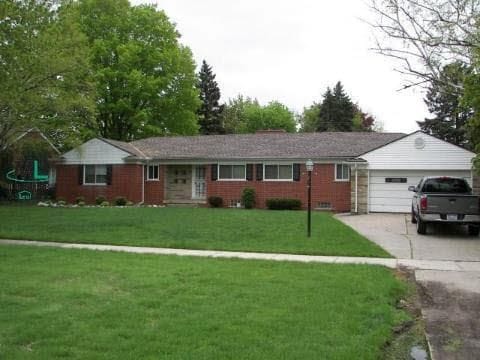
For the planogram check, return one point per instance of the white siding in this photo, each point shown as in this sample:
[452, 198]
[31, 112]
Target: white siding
[95, 151]
[435, 155]
[395, 197]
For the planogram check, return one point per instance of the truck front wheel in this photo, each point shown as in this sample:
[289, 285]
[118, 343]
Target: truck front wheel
[473, 230]
[421, 226]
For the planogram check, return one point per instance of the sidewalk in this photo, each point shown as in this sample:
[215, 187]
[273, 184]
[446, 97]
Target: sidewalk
[438, 265]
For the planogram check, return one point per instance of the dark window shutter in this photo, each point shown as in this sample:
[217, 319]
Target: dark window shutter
[80, 174]
[214, 169]
[296, 172]
[259, 172]
[249, 172]
[109, 174]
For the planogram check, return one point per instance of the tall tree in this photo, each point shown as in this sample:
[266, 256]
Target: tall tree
[210, 112]
[246, 115]
[44, 73]
[234, 117]
[444, 101]
[309, 118]
[145, 79]
[337, 110]
[425, 35]
[273, 116]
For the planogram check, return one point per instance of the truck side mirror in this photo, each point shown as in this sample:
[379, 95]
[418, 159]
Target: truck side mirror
[412, 188]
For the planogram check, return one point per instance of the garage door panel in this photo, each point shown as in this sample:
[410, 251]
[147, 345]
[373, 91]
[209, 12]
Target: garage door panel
[395, 197]
[392, 194]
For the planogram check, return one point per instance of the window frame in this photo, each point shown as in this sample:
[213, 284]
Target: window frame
[277, 164]
[337, 179]
[95, 175]
[158, 172]
[219, 178]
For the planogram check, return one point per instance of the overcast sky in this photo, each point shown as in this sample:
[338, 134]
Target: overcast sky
[291, 51]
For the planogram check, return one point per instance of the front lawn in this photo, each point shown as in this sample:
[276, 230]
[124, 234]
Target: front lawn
[189, 228]
[80, 304]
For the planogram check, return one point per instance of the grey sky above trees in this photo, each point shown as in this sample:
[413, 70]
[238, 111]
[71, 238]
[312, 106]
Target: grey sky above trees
[291, 51]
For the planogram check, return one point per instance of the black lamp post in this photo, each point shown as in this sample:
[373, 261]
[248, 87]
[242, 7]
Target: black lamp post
[309, 166]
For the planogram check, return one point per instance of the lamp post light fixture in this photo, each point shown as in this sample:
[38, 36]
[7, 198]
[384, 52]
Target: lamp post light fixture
[309, 166]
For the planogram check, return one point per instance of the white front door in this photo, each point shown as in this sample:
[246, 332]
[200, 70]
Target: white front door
[199, 186]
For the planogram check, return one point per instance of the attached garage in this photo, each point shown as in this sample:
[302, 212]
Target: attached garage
[392, 168]
[388, 190]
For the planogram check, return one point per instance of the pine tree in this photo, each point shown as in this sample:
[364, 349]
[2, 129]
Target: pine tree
[337, 110]
[443, 99]
[210, 112]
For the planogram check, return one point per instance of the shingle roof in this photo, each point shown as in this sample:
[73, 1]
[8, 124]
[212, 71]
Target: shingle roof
[127, 147]
[264, 146]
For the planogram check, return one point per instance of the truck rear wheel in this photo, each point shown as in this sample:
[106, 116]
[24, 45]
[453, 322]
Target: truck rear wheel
[421, 226]
[414, 219]
[473, 230]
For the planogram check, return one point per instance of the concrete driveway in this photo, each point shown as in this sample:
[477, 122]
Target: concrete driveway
[450, 299]
[396, 234]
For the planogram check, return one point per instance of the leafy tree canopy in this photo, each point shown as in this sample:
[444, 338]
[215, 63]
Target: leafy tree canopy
[209, 114]
[309, 118]
[443, 100]
[145, 80]
[44, 77]
[244, 115]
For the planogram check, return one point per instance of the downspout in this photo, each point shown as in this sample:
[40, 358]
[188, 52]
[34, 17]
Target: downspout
[368, 191]
[143, 185]
[356, 189]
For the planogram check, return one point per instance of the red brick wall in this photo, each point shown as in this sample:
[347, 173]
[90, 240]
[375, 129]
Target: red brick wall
[126, 181]
[324, 188]
[155, 189]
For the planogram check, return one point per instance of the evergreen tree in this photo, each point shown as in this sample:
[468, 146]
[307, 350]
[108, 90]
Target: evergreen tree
[444, 100]
[337, 110]
[210, 112]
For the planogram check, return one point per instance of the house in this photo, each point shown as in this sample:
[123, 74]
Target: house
[25, 166]
[353, 171]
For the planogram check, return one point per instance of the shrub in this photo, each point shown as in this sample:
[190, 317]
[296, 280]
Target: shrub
[129, 203]
[248, 198]
[120, 201]
[100, 199]
[51, 193]
[284, 204]
[215, 201]
[81, 203]
[105, 203]
[79, 199]
[61, 203]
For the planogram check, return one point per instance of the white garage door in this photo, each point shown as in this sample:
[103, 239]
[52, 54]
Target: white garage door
[388, 190]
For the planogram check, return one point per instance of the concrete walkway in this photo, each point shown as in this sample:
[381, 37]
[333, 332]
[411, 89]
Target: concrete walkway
[390, 263]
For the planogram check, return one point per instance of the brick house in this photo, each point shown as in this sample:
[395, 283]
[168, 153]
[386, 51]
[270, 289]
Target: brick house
[189, 169]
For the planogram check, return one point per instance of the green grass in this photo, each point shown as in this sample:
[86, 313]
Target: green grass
[80, 304]
[192, 228]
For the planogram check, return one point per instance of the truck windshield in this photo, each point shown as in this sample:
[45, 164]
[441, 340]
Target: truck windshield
[446, 185]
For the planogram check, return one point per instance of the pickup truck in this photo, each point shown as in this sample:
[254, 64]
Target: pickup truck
[445, 200]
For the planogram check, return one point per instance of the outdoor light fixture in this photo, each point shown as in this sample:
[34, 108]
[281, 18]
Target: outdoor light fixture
[309, 166]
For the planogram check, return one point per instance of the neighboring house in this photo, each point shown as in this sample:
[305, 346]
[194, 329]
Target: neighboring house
[354, 171]
[25, 166]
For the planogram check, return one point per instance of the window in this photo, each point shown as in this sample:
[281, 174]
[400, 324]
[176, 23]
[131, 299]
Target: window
[231, 172]
[152, 173]
[278, 172]
[95, 175]
[342, 172]
[446, 185]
